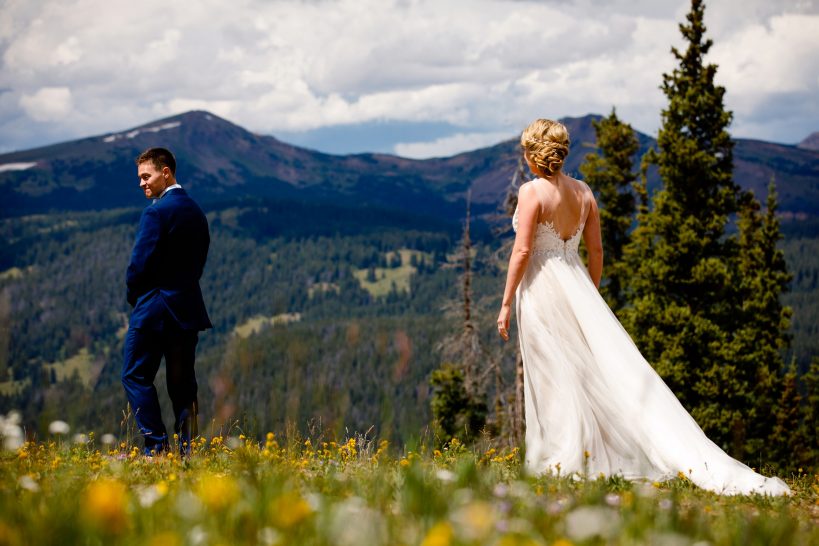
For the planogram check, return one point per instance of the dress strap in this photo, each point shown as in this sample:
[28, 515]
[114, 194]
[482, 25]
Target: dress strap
[585, 207]
[541, 199]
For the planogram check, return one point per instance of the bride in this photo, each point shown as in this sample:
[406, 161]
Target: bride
[593, 403]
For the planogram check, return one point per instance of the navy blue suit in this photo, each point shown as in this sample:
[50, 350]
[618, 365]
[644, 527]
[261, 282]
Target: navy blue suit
[163, 287]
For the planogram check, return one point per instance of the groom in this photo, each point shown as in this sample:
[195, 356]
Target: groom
[168, 312]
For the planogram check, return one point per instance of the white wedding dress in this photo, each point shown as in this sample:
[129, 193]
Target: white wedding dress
[593, 403]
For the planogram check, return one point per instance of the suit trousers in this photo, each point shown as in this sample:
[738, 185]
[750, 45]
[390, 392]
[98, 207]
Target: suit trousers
[143, 352]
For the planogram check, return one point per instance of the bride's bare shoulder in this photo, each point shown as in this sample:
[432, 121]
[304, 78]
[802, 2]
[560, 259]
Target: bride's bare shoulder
[527, 188]
[578, 183]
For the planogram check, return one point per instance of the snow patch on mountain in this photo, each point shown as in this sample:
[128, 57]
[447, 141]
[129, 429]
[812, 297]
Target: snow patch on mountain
[135, 132]
[16, 166]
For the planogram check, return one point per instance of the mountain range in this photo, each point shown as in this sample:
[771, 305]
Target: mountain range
[219, 161]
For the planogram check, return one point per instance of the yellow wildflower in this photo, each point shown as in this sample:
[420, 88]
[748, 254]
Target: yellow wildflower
[474, 521]
[288, 510]
[162, 487]
[105, 506]
[217, 492]
[439, 535]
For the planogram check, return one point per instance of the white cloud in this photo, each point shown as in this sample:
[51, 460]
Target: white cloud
[480, 65]
[67, 52]
[450, 145]
[762, 65]
[47, 104]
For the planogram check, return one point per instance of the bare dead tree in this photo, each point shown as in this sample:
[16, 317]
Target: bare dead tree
[517, 400]
[471, 349]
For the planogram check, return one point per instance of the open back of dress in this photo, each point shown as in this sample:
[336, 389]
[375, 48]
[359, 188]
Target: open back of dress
[593, 403]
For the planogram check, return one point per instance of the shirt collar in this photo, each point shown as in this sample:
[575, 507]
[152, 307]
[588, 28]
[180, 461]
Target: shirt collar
[169, 188]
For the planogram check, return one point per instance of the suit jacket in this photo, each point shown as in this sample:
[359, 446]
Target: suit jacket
[167, 261]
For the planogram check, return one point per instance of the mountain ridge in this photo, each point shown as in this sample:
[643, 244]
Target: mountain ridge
[219, 159]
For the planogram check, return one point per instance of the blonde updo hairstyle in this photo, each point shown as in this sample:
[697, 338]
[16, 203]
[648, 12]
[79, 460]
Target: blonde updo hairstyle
[547, 144]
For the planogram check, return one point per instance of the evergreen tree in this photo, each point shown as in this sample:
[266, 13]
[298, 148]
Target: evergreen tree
[761, 337]
[682, 308]
[455, 413]
[609, 174]
[810, 413]
[788, 444]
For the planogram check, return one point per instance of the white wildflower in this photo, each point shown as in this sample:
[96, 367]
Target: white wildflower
[586, 522]
[269, 536]
[197, 536]
[14, 417]
[10, 431]
[27, 482]
[108, 439]
[612, 499]
[445, 475]
[557, 506]
[189, 507]
[354, 523]
[148, 495]
[58, 427]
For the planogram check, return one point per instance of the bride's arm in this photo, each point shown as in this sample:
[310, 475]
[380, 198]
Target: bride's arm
[528, 210]
[594, 244]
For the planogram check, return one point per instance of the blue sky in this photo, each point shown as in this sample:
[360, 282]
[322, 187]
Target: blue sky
[417, 78]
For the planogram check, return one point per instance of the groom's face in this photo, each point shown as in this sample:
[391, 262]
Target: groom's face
[153, 181]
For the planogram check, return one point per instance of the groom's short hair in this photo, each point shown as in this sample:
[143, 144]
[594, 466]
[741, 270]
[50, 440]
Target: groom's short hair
[160, 157]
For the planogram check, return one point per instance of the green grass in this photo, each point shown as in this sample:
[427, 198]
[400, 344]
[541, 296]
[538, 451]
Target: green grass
[80, 364]
[10, 388]
[385, 277]
[256, 324]
[15, 273]
[321, 288]
[239, 491]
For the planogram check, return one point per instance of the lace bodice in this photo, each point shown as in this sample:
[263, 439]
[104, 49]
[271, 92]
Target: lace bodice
[548, 242]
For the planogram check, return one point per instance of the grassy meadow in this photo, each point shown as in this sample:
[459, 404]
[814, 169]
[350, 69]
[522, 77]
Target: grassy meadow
[293, 490]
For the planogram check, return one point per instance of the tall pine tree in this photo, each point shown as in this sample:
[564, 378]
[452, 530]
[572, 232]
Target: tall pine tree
[810, 413]
[682, 310]
[761, 337]
[609, 173]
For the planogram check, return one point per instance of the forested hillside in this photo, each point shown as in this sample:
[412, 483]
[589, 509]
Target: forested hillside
[339, 354]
